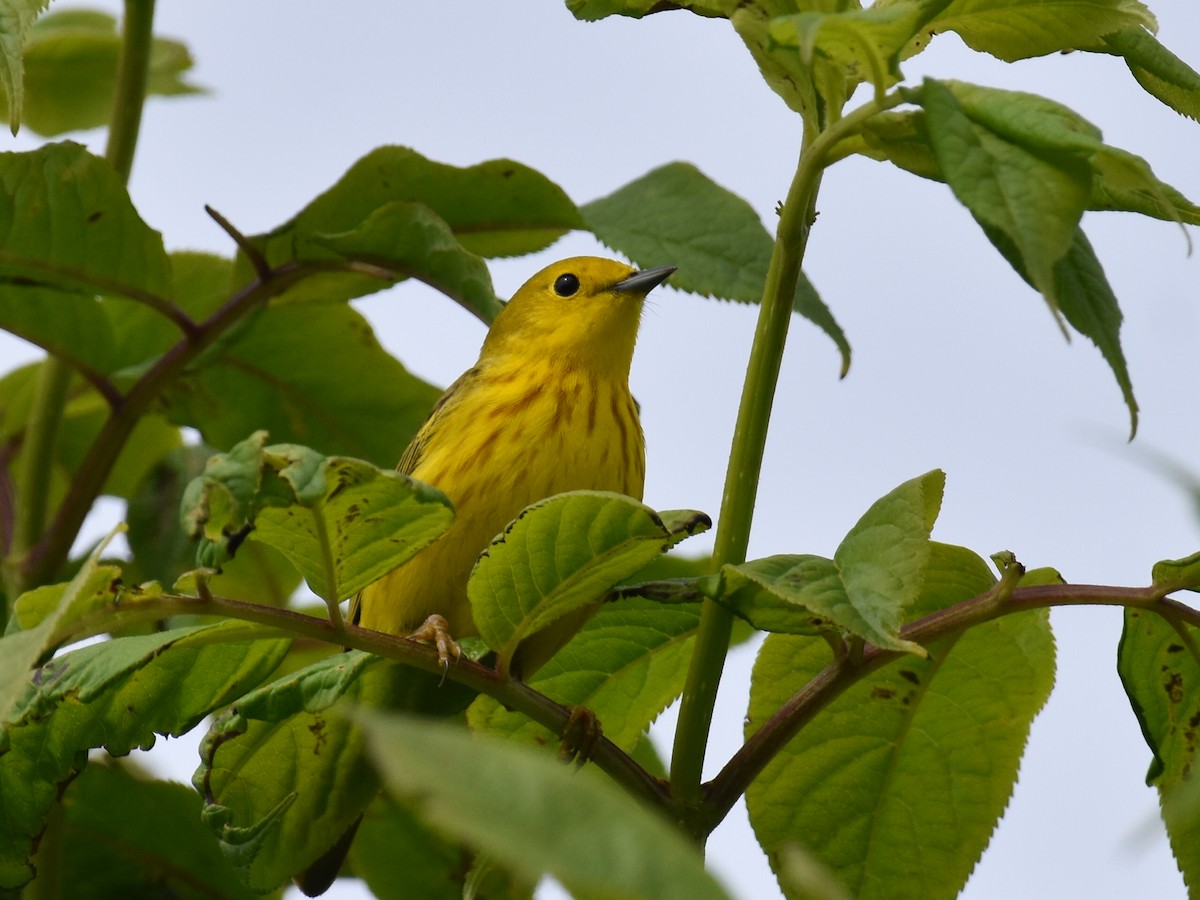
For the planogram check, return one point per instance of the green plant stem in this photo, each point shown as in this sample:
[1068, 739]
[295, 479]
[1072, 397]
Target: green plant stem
[796, 216]
[133, 69]
[741, 478]
[745, 765]
[513, 694]
[37, 463]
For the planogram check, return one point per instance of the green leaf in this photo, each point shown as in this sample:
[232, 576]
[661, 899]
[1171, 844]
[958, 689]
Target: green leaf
[1120, 180]
[117, 694]
[1124, 181]
[309, 374]
[789, 594]
[1019, 29]
[1089, 305]
[629, 852]
[817, 90]
[163, 552]
[1159, 71]
[39, 614]
[71, 71]
[1020, 164]
[867, 43]
[1172, 575]
[284, 778]
[365, 523]
[126, 836]
[626, 665]
[900, 138]
[594, 10]
[341, 522]
[896, 785]
[200, 284]
[675, 214]
[411, 239]
[564, 554]
[874, 578]
[17, 17]
[1160, 670]
[152, 439]
[495, 208]
[400, 858]
[81, 421]
[68, 232]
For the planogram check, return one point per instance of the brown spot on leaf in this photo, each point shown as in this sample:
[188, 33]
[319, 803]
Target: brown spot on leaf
[879, 692]
[318, 732]
[910, 676]
[1173, 685]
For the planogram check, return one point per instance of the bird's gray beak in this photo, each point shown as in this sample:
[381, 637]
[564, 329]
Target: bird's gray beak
[645, 281]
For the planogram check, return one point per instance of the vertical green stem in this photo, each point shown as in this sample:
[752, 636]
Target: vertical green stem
[749, 440]
[741, 478]
[132, 73]
[32, 489]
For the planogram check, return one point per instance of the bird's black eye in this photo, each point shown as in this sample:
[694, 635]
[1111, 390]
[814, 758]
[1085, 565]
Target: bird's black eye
[566, 285]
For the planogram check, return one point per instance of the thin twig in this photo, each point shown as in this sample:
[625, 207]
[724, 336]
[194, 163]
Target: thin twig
[513, 694]
[745, 765]
[262, 268]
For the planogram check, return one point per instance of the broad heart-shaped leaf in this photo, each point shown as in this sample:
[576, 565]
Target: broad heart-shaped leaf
[1158, 70]
[71, 71]
[284, 778]
[1161, 675]
[342, 522]
[68, 232]
[127, 836]
[563, 554]
[1019, 163]
[675, 214]
[495, 208]
[874, 578]
[410, 238]
[18, 16]
[896, 785]
[310, 374]
[1020, 29]
[576, 826]
[626, 665]
[117, 694]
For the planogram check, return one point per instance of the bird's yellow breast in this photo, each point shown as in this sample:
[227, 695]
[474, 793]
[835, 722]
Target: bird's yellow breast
[508, 434]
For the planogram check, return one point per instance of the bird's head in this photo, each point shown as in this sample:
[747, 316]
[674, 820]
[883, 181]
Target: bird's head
[583, 311]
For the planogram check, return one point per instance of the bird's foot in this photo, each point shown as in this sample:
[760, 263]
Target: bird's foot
[580, 736]
[436, 630]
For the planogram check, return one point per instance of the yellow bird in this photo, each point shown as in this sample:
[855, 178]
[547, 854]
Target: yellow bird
[546, 409]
